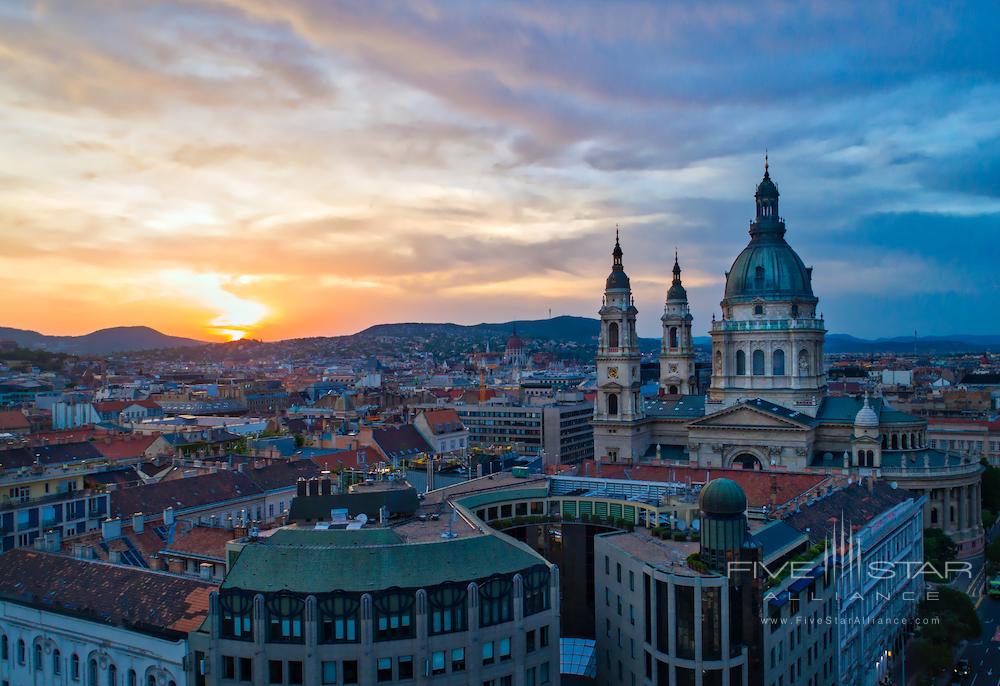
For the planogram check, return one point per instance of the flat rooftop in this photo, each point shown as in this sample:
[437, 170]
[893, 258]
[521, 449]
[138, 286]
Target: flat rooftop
[665, 554]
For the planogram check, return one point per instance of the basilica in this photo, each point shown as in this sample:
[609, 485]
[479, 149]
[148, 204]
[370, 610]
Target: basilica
[767, 405]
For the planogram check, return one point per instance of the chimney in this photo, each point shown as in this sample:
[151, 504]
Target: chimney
[176, 566]
[138, 522]
[111, 529]
[168, 517]
[115, 557]
[53, 540]
[156, 563]
[206, 570]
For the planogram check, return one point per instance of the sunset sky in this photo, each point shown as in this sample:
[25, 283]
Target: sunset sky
[286, 169]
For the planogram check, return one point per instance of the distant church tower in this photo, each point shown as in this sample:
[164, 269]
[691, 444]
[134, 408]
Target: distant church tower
[618, 408]
[677, 373]
[769, 343]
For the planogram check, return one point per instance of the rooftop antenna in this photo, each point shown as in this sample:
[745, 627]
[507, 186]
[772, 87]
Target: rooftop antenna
[450, 533]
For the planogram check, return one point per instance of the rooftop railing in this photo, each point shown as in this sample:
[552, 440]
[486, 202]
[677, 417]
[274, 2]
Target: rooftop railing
[767, 324]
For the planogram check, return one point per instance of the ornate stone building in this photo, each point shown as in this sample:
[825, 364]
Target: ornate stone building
[767, 406]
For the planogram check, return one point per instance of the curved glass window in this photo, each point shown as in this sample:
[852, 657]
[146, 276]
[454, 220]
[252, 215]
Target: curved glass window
[446, 604]
[236, 607]
[285, 612]
[536, 590]
[496, 600]
[339, 616]
[394, 615]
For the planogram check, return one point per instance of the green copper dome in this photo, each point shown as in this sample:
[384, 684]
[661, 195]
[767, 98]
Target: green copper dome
[768, 268]
[722, 497]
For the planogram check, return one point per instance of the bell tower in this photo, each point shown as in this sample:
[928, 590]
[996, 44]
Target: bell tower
[618, 407]
[677, 374]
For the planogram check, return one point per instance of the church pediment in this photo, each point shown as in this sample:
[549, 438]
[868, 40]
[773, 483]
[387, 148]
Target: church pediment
[746, 416]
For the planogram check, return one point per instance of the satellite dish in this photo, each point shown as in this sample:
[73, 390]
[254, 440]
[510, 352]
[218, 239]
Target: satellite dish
[893, 485]
[363, 518]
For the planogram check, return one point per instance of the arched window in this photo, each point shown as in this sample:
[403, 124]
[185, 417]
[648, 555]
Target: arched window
[496, 601]
[803, 362]
[741, 363]
[394, 615]
[132, 678]
[447, 608]
[112, 676]
[613, 404]
[885, 442]
[536, 590]
[758, 309]
[673, 336]
[4, 648]
[38, 655]
[673, 390]
[778, 362]
[339, 617]
[795, 311]
[906, 441]
[613, 335]
[150, 680]
[21, 652]
[758, 362]
[237, 615]
[74, 667]
[56, 662]
[895, 442]
[92, 672]
[934, 515]
[871, 458]
[285, 612]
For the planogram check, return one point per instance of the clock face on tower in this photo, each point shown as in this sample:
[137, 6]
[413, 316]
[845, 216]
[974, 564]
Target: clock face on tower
[612, 372]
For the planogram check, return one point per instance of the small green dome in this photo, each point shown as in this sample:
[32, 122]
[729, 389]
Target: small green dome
[722, 497]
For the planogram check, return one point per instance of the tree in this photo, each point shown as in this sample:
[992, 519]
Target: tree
[991, 487]
[938, 549]
[993, 555]
[952, 617]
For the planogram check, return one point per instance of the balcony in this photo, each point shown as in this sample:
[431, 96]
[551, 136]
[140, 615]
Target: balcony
[768, 325]
[8, 503]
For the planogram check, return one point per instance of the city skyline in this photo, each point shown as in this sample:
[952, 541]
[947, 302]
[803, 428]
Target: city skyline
[242, 168]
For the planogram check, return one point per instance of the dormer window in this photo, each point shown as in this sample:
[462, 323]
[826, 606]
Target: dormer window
[758, 309]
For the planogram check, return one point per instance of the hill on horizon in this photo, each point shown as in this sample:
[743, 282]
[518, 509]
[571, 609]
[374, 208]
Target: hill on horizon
[101, 342]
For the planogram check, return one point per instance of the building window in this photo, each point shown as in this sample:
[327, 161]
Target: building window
[4, 648]
[488, 657]
[350, 669]
[758, 362]
[404, 667]
[536, 590]
[741, 363]
[383, 669]
[458, 660]
[112, 676]
[338, 617]
[447, 609]
[74, 667]
[503, 649]
[56, 662]
[613, 404]
[285, 612]
[758, 309]
[673, 337]
[495, 601]
[613, 335]
[246, 669]
[237, 615]
[38, 656]
[21, 652]
[133, 680]
[778, 362]
[543, 636]
[437, 662]
[228, 667]
[275, 672]
[394, 612]
[92, 672]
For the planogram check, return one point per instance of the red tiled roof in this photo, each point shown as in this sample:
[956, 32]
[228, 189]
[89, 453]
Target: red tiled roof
[758, 485]
[443, 421]
[204, 541]
[13, 420]
[125, 447]
[119, 405]
[144, 601]
[181, 494]
[346, 459]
